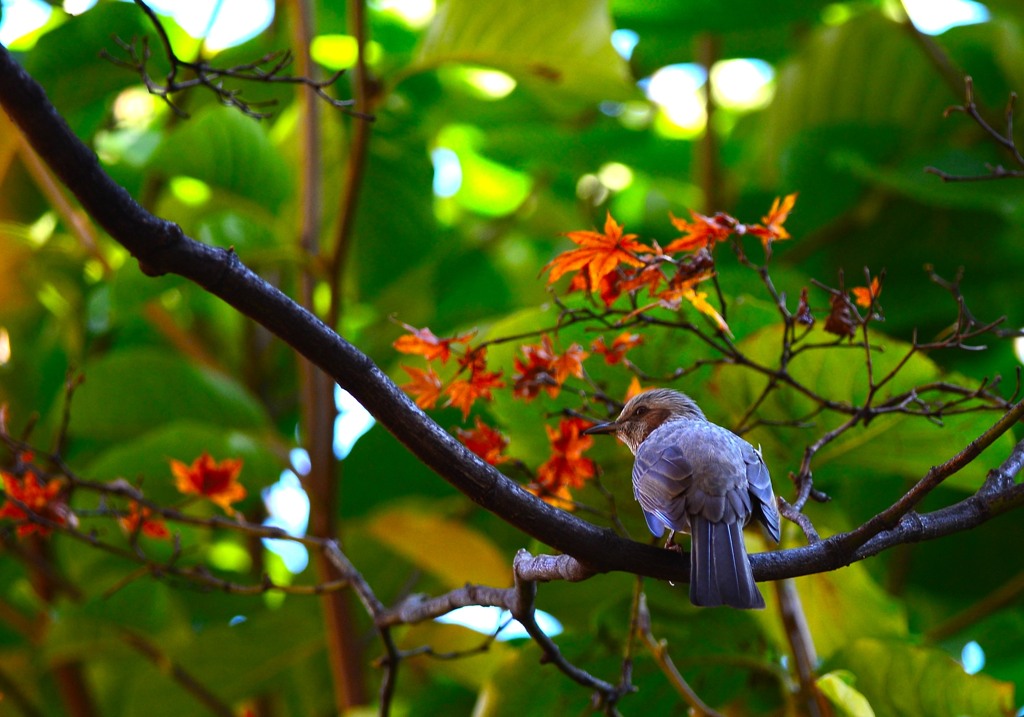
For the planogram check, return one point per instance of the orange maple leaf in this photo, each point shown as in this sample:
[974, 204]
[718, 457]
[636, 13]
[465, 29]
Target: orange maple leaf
[702, 233]
[425, 387]
[535, 371]
[424, 343]
[484, 441]
[567, 466]
[139, 521]
[634, 389]
[541, 368]
[650, 276]
[771, 228]
[569, 363]
[599, 254]
[463, 393]
[866, 295]
[206, 477]
[620, 345]
[43, 500]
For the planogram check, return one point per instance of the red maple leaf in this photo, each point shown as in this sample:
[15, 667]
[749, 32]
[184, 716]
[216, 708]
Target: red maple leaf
[139, 521]
[567, 465]
[39, 499]
[463, 393]
[598, 255]
[424, 343]
[484, 441]
[569, 363]
[425, 387]
[211, 479]
[702, 233]
[541, 368]
[620, 345]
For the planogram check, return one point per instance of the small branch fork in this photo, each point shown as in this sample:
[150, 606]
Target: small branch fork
[268, 69]
[1003, 139]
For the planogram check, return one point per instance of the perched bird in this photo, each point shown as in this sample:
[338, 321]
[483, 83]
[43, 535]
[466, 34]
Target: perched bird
[694, 476]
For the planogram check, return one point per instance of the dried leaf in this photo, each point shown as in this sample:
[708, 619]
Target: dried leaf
[841, 321]
[803, 310]
[425, 387]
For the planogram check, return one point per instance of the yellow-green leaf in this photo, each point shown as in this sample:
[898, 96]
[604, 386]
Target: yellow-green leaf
[451, 551]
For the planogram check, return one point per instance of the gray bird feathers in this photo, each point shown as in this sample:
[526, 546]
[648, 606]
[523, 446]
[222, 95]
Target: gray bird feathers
[693, 476]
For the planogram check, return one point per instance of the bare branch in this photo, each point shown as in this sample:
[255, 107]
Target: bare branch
[1006, 141]
[267, 70]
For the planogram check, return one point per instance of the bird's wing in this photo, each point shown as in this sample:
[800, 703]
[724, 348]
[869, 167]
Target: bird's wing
[759, 483]
[662, 476]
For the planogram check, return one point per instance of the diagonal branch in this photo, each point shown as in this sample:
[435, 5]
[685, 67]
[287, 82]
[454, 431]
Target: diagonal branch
[161, 247]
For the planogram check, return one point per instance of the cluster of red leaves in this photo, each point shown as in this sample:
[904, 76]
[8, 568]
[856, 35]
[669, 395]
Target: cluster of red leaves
[484, 441]
[538, 368]
[471, 382]
[617, 351]
[541, 368]
[613, 262]
[30, 501]
[567, 467]
[139, 520]
[215, 480]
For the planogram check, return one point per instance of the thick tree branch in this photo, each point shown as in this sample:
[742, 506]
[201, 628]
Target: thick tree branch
[161, 247]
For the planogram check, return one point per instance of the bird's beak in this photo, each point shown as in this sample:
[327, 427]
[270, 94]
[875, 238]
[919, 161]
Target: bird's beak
[609, 427]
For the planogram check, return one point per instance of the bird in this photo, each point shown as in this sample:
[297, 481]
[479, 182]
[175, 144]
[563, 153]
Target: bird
[691, 475]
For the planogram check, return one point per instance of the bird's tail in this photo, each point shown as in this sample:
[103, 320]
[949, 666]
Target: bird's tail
[719, 569]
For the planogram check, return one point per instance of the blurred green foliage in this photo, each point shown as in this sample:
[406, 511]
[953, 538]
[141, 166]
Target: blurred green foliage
[855, 114]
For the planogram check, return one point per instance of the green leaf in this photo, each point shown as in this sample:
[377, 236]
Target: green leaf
[134, 391]
[838, 688]
[228, 150]
[901, 680]
[529, 40]
[844, 605]
[426, 539]
[66, 61]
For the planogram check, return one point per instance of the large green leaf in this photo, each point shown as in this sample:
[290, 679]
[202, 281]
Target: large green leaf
[837, 687]
[131, 392]
[562, 47]
[904, 681]
[227, 150]
[845, 605]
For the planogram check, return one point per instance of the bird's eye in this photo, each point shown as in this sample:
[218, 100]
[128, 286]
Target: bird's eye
[640, 410]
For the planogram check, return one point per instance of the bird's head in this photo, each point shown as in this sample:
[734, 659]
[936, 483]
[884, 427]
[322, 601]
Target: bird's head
[645, 412]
